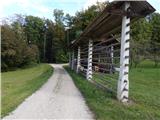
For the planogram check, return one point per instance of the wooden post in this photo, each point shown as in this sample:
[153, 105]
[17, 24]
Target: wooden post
[73, 60]
[78, 60]
[89, 68]
[123, 82]
[111, 56]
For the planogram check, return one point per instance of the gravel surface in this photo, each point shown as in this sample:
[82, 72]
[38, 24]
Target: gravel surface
[57, 99]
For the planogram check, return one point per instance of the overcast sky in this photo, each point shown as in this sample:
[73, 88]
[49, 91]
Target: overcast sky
[44, 8]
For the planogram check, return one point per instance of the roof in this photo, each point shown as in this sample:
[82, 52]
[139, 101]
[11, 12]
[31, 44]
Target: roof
[110, 19]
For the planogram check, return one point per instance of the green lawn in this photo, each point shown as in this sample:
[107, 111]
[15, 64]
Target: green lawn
[144, 93]
[17, 85]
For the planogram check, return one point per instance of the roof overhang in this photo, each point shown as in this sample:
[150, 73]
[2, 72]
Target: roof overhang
[110, 19]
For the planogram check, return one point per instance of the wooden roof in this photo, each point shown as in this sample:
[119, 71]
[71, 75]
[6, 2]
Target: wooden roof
[109, 21]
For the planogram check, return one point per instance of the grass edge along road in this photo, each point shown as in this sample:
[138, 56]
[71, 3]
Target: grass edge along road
[18, 85]
[106, 107]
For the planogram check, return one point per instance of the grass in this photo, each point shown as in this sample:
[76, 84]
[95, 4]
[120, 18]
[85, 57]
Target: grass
[17, 85]
[106, 79]
[144, 91]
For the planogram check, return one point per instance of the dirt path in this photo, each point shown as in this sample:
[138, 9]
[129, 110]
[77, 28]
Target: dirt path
[57, 99]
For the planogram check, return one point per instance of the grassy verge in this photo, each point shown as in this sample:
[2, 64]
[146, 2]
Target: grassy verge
[17, 85]
[144, 91]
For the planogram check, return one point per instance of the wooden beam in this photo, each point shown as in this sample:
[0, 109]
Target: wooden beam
[123, 82]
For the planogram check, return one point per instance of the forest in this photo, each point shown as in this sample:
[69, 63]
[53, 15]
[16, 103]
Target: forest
[28, 40]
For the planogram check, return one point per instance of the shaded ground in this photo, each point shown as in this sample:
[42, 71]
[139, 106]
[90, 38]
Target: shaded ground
[58, 98]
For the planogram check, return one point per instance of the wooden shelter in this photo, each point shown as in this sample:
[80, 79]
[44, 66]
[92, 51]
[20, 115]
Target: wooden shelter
[101, 50]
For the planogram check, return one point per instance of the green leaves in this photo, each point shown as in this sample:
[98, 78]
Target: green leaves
[145, 39]
[15, 50]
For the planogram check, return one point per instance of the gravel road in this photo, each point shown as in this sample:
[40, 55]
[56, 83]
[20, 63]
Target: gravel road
[56, 99]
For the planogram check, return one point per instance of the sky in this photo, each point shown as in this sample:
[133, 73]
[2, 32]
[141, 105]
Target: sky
[44, 8]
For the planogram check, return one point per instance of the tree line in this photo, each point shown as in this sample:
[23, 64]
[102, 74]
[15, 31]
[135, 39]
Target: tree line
[29, 39]
[145, 40]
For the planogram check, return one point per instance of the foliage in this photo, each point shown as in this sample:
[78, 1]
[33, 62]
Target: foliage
[50, 44]
[82, 19]
[61, 57]
[140, 36]
[155, 38]
[35, 30]
[145, 39]
[59, 16]
[14, 50]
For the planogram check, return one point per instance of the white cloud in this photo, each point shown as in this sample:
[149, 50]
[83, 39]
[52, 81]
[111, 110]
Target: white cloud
[41, 8]
[24, 7]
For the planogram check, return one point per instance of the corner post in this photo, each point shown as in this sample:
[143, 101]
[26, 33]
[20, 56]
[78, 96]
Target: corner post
[78, 60]
[72, 60]
[89, 67]
[123, 82]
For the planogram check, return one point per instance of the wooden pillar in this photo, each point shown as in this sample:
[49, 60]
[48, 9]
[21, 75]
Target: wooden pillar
[112, 54]
[78, 60]
[123, 82]
[89, 67]
[111, 60]
[72, 59]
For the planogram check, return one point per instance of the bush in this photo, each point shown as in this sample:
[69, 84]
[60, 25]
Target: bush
[14, 51]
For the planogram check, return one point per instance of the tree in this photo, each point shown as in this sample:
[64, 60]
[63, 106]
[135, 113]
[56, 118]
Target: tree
[15, 52]
[8, 47]
[59, 36]
[155, 38]
[82, 18]
[50, 44]
[35, 31]
[58, 16]
[140, 35]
